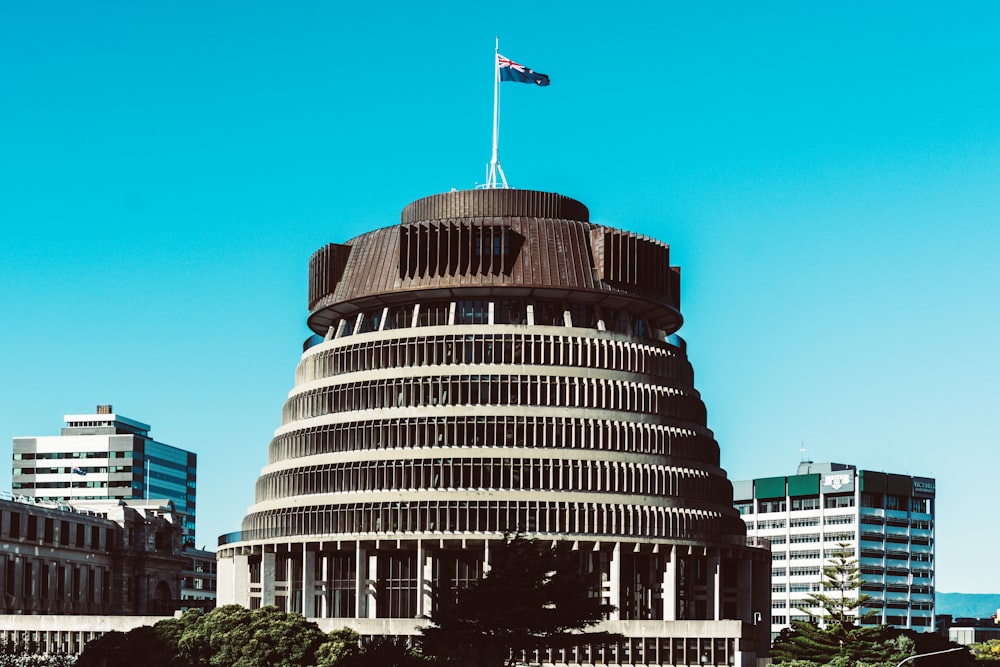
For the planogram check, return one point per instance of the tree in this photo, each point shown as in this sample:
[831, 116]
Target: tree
[229, 636]
[842, 641]
[384, 652]
[149, 646]
[841, 599]
[339, 646]
[534, 596]
[987, 651]
[237, 637]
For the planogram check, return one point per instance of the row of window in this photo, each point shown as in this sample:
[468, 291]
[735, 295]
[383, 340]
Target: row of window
[47, 530]
[522, 474]
[797, 504]
[43, 581]
[493, 517]
[515, 349]
[895, 523]
[889, 501]
[504, 311]
[497, 431]
[497, 390]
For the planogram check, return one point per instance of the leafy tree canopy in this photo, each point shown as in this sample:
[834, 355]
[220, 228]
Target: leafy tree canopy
[988, 651]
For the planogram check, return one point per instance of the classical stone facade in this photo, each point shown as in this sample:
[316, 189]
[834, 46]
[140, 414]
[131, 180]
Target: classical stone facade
[497, 363]
[105, 559]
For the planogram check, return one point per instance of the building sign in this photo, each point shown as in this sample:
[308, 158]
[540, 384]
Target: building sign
[838, 482]
[923, 486]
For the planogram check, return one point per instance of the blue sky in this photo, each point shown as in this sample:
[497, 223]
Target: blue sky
[828, 177]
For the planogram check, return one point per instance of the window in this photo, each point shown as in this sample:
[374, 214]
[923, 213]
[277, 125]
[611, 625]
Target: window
[833, 502]
[772, 505]
[873, 500]
[744, 508]
[809, 503]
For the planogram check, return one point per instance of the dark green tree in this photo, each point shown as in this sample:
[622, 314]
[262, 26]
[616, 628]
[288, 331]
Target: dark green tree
[149, 646]
[339, 646]
[232, 636]
[385, 652]
[534, 596]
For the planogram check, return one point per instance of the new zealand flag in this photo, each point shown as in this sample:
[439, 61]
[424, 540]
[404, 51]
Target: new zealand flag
[511, 71]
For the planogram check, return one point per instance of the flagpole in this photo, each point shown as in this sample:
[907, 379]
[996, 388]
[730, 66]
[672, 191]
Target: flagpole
[495, 168]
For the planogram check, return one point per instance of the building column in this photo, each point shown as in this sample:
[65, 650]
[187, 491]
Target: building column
[267, 573]
[308, 582]
[715, 583]
[360, 581]
[670, 585]
[323, 576]
[615, 582]
[425, 580]
[372, 585]
[233, 580]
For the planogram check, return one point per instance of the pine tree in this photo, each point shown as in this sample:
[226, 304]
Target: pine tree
[842, 640]
[841, 599]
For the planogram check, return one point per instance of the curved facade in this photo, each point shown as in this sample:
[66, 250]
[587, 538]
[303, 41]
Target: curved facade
[497, 363]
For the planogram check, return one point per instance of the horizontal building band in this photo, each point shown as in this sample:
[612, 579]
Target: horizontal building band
[397, 518]
[497, 474]
[403, 349]
[507, 390]
[496, 430]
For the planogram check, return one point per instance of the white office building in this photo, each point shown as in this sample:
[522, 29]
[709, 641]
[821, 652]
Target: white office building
[106, 456]
[886, 521]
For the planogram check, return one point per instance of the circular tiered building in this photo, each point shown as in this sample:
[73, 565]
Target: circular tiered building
[498, 364]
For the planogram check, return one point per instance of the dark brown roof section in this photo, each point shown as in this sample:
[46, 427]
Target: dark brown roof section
[494, 204]
[507, 243]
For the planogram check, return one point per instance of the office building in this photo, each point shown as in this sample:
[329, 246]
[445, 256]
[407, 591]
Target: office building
[198, 579]
[497, 363]
[106, 456]
[886, 521]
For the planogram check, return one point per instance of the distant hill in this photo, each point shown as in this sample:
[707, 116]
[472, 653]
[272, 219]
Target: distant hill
[968, 605]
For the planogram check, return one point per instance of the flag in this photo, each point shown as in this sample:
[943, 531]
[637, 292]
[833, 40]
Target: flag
[78, 471]
[511, 71]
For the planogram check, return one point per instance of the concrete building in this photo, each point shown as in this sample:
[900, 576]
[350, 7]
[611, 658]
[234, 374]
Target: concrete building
[198, 579]
[108, 559]
[885, 520]
[106, 456]
[496, 362]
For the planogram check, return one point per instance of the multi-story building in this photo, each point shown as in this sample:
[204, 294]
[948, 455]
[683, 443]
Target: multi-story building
[110, 558]
[497, 363]
[198, 579]
[106, 456]
[885, 521]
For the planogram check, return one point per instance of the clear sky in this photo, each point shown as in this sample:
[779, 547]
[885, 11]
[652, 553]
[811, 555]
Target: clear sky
[827, 174]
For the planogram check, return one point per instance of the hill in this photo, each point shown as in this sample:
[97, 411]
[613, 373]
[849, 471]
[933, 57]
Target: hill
[968, 605]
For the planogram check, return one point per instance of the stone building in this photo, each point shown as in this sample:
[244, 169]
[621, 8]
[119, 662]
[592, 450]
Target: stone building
[109, 558]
